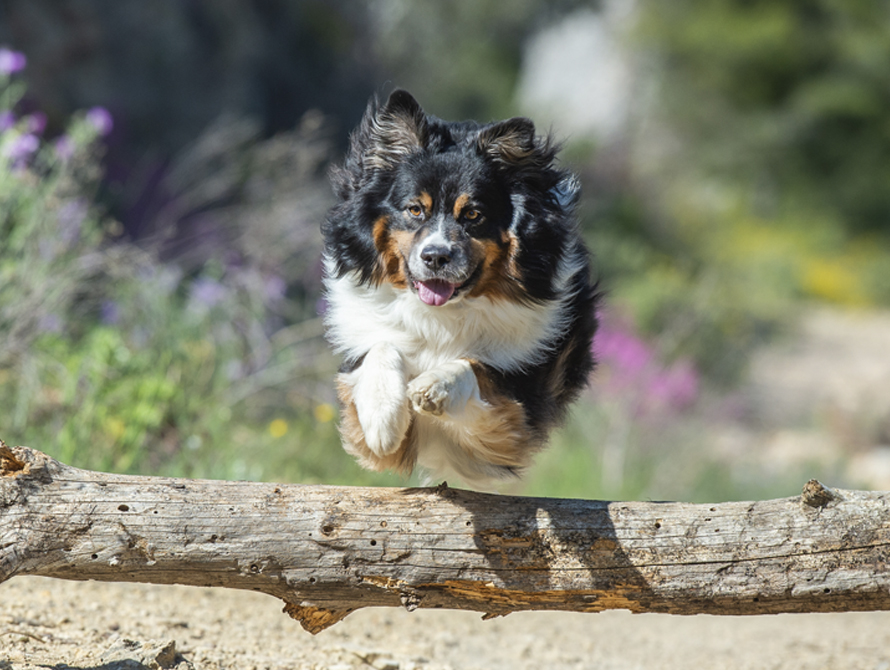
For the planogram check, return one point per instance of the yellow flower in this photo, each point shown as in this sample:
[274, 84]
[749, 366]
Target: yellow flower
[278, 428]
[833, 280]
[324, 412]
[115, 427]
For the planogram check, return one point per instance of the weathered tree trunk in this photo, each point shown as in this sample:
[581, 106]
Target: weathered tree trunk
[327, 550]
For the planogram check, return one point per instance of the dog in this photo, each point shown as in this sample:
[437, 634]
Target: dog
[458, 292]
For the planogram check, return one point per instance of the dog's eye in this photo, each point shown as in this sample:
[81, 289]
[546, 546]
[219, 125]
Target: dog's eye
[472, 215]
[415, 210]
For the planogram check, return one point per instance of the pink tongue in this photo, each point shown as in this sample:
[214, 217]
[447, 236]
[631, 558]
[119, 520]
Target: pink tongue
[435, 291]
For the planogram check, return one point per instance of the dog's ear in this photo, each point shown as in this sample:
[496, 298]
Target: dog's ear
[385, 136]
[395, 130]
[513, 143]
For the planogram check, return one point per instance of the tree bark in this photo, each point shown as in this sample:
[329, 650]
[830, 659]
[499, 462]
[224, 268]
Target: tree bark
[327, 550]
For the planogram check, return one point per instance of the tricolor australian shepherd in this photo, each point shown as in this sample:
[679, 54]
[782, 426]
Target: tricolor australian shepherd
[458, 292]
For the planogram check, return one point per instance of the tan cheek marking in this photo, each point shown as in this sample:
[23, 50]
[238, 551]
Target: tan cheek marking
[459, 204]
[500, 277]
[390, 262]
[403, 240]
[402, 460]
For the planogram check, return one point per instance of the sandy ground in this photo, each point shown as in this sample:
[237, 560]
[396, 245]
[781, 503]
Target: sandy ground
[838, 365]
[57, 624]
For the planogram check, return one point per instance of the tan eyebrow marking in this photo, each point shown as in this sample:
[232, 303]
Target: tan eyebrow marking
[426, 201]
[462, 201]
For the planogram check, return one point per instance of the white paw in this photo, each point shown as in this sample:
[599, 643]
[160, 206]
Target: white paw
[443, 390]
[380, 402]
[428, 394]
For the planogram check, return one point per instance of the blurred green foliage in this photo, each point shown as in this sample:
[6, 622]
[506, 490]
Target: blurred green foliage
[769, 187]
[113, 360]
[606, 453]
[461, 59]
[791, 97]
[772, 121]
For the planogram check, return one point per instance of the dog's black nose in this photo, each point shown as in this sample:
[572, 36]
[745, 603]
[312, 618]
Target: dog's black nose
[436, 256]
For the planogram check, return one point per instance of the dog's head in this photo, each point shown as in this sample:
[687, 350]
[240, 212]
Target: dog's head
[449, 210]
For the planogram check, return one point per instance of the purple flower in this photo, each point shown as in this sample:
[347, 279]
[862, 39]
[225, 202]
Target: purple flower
[207, 292]
[11, 61]
[21, 148]
[36, 123]
[109, 312]
[7, 120]
[50, 323]
[64, 147]
[100, 119]
[274, 288]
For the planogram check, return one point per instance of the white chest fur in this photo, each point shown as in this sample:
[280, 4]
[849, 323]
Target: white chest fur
[505, 335]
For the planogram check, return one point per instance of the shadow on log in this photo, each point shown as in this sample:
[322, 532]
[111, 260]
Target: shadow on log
[327, 551]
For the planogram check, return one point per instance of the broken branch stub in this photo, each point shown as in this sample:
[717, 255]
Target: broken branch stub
[327, 551]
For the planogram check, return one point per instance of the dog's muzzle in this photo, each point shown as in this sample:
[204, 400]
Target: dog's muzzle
[439, 267]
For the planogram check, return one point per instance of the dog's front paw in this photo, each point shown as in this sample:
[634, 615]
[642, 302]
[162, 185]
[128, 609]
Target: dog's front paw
[443, 390]
[385, 424]
[428, 394]
[380, 402]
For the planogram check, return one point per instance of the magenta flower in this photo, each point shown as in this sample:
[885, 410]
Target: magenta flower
[11, 61]
[630, 369]
[673, 387]
[100, 119]
[622, 349]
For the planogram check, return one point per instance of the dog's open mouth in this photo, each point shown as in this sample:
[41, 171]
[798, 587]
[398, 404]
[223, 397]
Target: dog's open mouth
[435, 292]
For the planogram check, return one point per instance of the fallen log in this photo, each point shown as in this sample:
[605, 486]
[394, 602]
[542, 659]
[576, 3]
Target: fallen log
[327, 550]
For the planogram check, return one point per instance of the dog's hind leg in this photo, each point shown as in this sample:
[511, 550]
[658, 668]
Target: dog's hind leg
[491, 429]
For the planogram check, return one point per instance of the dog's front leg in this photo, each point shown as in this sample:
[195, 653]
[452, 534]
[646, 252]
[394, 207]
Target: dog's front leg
[376, 416]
